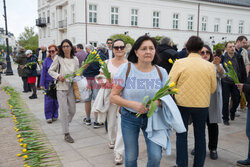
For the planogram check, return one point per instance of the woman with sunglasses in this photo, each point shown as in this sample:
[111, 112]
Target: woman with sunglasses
[63, 64]
[50, 104]
[215, 108]
[113, 116]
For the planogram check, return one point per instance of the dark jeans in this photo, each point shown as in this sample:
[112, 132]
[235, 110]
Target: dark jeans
[26, 86]
[213, 133]
[227, 90]
[199, 116]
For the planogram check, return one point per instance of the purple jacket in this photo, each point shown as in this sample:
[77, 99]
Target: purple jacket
[81, 57]
[45, 77]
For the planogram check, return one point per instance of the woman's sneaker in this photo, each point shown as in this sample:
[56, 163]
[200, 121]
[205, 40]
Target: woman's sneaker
[68, 138]
[87, 122]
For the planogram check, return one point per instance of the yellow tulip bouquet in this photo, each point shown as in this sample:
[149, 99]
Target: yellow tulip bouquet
[171, 61]
[92, 57]
[105, 70]
[167, 89]
[232, 74]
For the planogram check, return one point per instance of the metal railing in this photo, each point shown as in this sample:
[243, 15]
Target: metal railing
[41, 22]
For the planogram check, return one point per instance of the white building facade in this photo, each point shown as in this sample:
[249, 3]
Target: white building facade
[93, 21]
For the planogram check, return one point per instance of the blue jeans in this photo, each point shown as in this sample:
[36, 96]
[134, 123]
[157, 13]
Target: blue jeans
[248, 132]
[131, 126]
[199, 117]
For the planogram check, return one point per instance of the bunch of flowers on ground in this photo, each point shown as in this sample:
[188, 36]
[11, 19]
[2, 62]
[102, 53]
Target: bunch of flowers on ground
[34, 150]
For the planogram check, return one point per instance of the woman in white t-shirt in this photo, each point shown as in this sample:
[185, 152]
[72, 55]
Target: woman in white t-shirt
[113, 116]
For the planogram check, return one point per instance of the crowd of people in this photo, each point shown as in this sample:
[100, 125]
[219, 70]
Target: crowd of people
[206, 95]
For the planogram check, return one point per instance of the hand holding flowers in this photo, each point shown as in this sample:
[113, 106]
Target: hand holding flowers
[151, 104]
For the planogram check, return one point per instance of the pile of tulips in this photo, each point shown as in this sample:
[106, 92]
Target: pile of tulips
[34, 149]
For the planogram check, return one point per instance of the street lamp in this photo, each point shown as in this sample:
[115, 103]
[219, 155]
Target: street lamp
[9, 69]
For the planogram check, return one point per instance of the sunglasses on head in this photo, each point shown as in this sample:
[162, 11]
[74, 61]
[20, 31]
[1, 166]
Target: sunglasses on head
[51, 51]
[205, 52]
[119, 47]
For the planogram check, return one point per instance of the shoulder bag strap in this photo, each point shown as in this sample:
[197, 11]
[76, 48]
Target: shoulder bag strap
[128, 70]
[159, 72]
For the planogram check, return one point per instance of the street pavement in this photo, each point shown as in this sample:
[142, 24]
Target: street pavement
[91, 145]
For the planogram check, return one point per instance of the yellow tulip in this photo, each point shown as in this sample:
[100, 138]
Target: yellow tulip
[171, 84]
[101, 62]
[77, 74]
[175, 90]
[20, 140]
[18, 155]
[25, 156]
[225, 64]
[229, 62]
[24, 145]
[16, 130]
[21, 144]
[18, 136]
[176, 59]
[94, 52]
[24, 150]
[170, 61]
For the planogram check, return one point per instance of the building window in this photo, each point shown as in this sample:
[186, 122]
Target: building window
[114, 15]
[44, 33]
[216, 25]
[134, 17]
[190, 22]
[74, 40]
[156, 18]
[241, 27]
[72, 14]
[204, 24]
[93, 43]
[48, 17]
[92, 13]
[229, 26]
[175, 21]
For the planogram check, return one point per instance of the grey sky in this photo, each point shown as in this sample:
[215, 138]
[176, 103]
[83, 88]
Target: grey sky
[20, 13]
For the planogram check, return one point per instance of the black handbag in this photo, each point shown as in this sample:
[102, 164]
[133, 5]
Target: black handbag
[51, 92]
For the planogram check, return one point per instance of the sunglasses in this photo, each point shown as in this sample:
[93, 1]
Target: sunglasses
[205, 52]
[119, 47]
[51, 51]
[109, 43]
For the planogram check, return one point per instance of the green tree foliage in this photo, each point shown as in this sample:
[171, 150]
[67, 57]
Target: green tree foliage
[5, 48]
[29, 39]
[127, 39]
[220, 46]
[158, 38]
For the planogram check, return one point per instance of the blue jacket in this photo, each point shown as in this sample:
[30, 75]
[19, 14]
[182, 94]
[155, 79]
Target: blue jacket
[159, 127]
[33, 71]
[93, 69]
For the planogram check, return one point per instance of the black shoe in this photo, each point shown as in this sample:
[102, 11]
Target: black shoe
[193, 152]
[232, 116]
[87, 122]
[68, 138]
[226, 123]
[213, 154]
[243, 162]
[33, 97]
[97, 125]
[25, 91]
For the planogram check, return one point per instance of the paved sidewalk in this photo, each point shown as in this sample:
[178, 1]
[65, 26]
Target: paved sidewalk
[91, 145]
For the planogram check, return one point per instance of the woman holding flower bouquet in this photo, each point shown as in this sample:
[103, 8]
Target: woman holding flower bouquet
[50, 104]
[142, 70]
[65, 64]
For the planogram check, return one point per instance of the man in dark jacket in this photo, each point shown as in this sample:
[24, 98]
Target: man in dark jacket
[166, 52]
[228, 86]
[21, 60]
[246, 89]
[90, 72]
